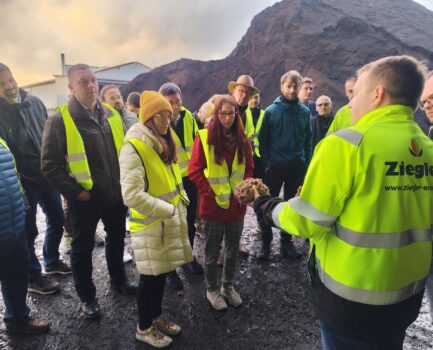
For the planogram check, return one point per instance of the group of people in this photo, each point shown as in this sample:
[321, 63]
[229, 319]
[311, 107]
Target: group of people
[156, 164]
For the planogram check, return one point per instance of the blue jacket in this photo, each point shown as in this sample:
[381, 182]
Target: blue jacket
[12, 205]
[285, 133]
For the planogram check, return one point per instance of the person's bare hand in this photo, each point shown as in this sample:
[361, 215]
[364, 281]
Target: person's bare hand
[84, 196]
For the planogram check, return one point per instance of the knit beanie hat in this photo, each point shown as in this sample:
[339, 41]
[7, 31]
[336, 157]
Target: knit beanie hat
[151, 103]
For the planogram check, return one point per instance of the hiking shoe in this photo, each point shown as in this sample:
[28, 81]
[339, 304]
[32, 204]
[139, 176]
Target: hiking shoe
[153, 336]
[174, 280]
[44, 285]
[216, 300]
[195, 267]
[99, 241]
[28, 326]
[166, 326]
[243, 251]
[288, 250]
[126, 256]
[232, 296]
[91, 309]
[59, 267]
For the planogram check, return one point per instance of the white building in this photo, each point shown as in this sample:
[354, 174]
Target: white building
[54, 92]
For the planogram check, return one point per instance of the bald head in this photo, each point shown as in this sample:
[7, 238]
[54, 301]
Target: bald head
[324, 106]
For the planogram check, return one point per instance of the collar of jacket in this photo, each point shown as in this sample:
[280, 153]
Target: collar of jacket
[24, 103]
[77, 110]
[391, 112]
[282, 100]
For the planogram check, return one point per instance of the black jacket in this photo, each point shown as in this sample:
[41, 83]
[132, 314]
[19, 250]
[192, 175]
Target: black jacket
[21, 126]
[100, 151]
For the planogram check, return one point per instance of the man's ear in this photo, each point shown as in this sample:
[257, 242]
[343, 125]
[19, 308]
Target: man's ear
[379, 95]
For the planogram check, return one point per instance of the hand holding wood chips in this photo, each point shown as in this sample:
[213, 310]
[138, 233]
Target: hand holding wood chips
[244, 192]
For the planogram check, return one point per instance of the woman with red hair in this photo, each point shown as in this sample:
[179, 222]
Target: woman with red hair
[221, 159]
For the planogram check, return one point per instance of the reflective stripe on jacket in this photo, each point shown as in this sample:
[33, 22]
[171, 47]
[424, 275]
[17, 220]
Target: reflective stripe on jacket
[221, 182]
[367, 204]
[77, 164]
[164, 182]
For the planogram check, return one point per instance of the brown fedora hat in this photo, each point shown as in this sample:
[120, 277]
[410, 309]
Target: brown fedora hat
[245, 80]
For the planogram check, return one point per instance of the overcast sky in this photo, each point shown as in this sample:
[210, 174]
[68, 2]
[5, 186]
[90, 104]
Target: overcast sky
[110, 32]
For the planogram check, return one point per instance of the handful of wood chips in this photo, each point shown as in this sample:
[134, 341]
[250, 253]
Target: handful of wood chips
[244, 193]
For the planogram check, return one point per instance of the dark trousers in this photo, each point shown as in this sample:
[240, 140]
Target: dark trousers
[149, 299]
[291, 177]
[333, 340]
[14, 264]
[84, 217]
[191, 209]
[51, 205]
[259, 169]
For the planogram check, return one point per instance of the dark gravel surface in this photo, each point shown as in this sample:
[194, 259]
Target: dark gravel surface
[276, 313]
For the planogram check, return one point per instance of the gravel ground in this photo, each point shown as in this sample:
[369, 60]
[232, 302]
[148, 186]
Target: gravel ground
[276, 313]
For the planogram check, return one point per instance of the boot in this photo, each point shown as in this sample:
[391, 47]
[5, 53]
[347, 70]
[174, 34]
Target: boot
[264, 252]
[288, 250]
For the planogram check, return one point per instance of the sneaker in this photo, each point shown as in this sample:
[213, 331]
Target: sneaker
[166, 326]
[288, 250]
[126, 256]
[58, 267]
[91, 309]
[44, 285]
[99, 241]
[66, 243]
[174, 280]
[153, 337]
[195, 267]
[216, 300]
[243, 251]
[232, 296]
[28, 326]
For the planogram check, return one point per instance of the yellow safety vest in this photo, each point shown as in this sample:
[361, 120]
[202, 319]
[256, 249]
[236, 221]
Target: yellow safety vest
[190, 129]
[368, 210]
[341, 120]
[164, 182]
[249, 125]
[221, 182]
[256, 133]
[76, 159]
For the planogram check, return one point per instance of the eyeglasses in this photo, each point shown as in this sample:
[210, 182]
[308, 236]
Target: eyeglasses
[326, 104]
[227, 114]
[164, 118]
[428, 102]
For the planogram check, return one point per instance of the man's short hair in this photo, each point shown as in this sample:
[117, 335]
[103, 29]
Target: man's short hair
[169, 88]
[291, 75]
[402, 77]
[75, 68]
[307, 80]
[133, 99]
[4, 68]
[105, 89]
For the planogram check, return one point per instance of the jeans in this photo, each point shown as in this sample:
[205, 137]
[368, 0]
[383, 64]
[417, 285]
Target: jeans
[191, 209]
[333, 340]
[14, 263]
[51, 205]
[149, 296]
[84, 217]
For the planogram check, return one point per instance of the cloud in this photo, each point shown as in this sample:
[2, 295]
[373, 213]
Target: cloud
[109, 32]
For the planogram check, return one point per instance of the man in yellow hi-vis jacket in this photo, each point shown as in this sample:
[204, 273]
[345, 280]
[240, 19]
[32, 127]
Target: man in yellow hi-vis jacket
[367, 207]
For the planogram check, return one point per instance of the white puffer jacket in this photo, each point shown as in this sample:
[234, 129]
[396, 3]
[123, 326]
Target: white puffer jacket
[164, 246]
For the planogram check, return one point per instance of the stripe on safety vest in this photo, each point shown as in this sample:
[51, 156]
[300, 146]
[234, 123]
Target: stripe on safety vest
[142, 221]
[382, 240]
[237, 176]
[218, 180]
[370, 297]
[81, 176]
[350, 135]
[75, 157]
[304, 208]
[224, 197]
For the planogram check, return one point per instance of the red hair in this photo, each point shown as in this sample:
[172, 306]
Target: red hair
[216, 135]
[168, 154]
